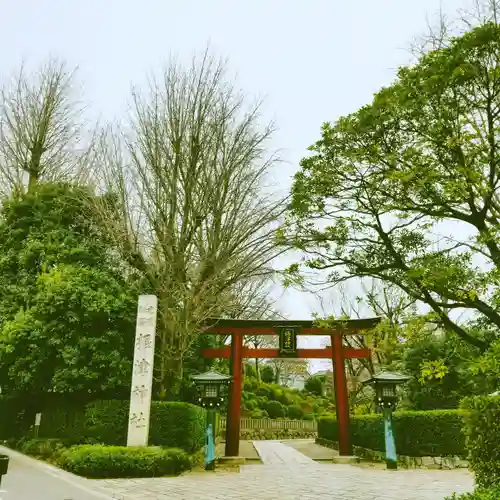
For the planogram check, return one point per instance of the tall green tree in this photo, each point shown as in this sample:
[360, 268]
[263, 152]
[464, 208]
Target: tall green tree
[67, 305]
[442, 372]
[405, 189]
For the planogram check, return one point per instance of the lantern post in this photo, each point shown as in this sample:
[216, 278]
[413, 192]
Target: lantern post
[212, 394]
[385, 384]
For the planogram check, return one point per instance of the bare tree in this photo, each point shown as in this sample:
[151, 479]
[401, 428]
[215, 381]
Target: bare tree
[378, 299]
[443, 28]
[188, 206]
[41, 129]
[287, 370]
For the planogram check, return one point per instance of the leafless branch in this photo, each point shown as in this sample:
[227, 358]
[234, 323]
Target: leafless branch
[187, 205]
[41, 130]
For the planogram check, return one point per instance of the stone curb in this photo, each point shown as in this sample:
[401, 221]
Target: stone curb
[403, 460]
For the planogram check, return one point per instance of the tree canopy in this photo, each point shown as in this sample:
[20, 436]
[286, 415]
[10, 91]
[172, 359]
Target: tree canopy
[66, 305]
[405, 189]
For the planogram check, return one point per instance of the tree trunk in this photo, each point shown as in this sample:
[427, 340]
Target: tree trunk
[257, 368]
[170, 378]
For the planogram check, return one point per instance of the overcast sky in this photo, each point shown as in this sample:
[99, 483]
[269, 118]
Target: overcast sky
[313, 61]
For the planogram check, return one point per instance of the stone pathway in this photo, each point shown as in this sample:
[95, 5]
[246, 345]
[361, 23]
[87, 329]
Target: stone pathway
[289, 475]
[276, 453]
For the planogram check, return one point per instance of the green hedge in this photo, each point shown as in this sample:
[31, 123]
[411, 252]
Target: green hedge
[97, 461]
[107, 421]
[177, 425]
[275, 409]
[45, 449]
[14, 421]
[173, 424]
[482, 431]
[66, 422]
[418, 433]
[479, 494]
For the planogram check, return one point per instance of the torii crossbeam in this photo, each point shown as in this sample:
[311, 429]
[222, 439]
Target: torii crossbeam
[287, 330]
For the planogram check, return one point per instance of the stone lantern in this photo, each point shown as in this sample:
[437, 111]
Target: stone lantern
[211, 388]
[385, 384]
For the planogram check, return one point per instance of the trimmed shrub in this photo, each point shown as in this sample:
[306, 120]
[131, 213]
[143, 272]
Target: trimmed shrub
[14, 422]
[419, 433]
[250, 404]
[275, 409]
[267, 374]
[314, 385]
[266, 392]
[177, 425]
[250, 384]
[258, 413]
[41, 448]
[295, 412]
[173, 424]
[482, 431]
[106, 421]
[66, 422]
[479, 494]
[275, 434]
[328, 428]
[98, 461]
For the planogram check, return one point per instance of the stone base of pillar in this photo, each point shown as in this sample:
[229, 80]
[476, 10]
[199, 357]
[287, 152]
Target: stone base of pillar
[232, 461]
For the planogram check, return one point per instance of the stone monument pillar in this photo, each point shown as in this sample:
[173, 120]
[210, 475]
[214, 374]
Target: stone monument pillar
[142, 373]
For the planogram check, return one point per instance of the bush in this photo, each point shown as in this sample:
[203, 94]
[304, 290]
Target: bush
[482, 431]
[275, 434]
[420, 433]
[314, 385]
[275, 409]
[14, 423]
[328, 428]
[41, 448]
[250, 384]
[267, 374]
[177, 425]
[295, 412]
[258, 413]
[479, 494]
[173, 424]
[98, 461]
[66, 422]
[250, 405]
[106, 421]
[266, 392]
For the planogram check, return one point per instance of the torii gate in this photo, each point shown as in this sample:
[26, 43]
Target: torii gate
[287, 331]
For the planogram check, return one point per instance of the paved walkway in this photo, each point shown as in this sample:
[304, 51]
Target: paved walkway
[276, 453]
[30, 479]
[288, 475]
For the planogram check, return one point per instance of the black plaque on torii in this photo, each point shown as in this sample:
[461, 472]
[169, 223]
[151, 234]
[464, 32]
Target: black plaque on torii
[288, 340]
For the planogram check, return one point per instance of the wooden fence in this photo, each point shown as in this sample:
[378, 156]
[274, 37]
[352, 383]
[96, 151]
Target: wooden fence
[271, 424]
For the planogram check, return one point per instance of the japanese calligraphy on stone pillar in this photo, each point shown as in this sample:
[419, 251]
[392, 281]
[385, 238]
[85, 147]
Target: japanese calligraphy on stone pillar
[142, 374]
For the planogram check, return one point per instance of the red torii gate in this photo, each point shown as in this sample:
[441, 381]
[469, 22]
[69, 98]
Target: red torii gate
[236, 351]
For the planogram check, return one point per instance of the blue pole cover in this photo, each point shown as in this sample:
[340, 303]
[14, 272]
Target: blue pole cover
[390, 444]
[210, 447]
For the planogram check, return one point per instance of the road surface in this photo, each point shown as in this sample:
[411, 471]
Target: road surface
[29, 479]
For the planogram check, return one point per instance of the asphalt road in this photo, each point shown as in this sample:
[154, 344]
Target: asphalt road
[29, 479]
